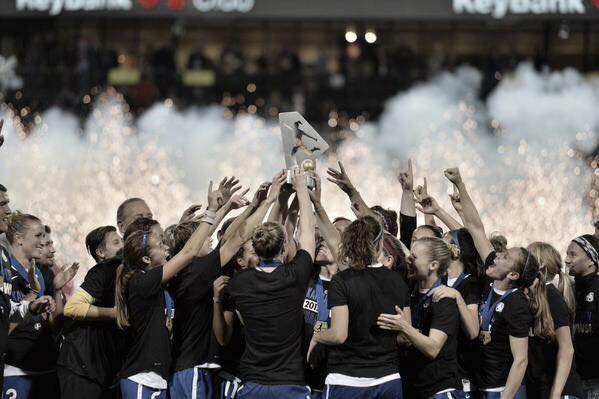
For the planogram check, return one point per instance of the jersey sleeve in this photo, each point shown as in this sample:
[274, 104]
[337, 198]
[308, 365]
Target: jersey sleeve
[517, 316]
[338, 293]
[147, 283]
[407, 225]
[445, 316]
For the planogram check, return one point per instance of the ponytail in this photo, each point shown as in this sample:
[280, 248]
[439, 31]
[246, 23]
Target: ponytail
[565, 287]
[123, 275]
[134, 251]
[528, 268]
[539, 307]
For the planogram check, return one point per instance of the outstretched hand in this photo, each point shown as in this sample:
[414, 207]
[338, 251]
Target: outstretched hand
[277, 184]
[341, 179]
[260, 195]
[228, 187]
[316, 194]
[215, 198]
[189, 215]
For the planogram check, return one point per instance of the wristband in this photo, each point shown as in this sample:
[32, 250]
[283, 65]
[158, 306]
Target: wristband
[207, 219]
[209, 213]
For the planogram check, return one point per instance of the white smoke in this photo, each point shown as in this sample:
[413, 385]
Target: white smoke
[518, 154]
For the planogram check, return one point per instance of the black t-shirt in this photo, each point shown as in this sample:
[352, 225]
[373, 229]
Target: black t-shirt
[192, 326]
[368, 351]
[270, 305]
[469, 288]
[512, 318]
[586, 326]
[150, 351]
[430, 376]
[315, 376]
[542, 355]
[31, 345]
[94, 349]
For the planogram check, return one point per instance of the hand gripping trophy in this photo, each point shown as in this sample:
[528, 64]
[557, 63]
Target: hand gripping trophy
[301, 145]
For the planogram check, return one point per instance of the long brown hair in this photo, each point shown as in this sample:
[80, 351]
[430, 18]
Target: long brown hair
[135, 248]
[528, 268]
[549, 257]
[359, 243]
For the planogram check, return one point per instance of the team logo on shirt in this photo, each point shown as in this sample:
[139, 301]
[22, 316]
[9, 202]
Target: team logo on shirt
[590, 297]
[37, 326]
[500, 307]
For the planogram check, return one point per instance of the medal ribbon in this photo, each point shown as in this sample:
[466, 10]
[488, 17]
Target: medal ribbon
[425, 300]
[461, 278]
[321, 300]
[488, 309]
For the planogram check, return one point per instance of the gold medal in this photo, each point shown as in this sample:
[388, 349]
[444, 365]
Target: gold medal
[485, 337]
[320, 326]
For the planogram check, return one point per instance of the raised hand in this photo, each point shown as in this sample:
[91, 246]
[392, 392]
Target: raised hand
[406, 177]
[65, 275]
[189, 214]
[1, 136]
[453, 175]
[421, 192]
[316, 194]
[341, 179]
[428, 206]
[275, 188]
[228, 187]
[260, 194]
[215, 199]
[238, 200]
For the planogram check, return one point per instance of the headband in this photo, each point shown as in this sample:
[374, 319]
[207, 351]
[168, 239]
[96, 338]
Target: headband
[588, 248]
[145, 243]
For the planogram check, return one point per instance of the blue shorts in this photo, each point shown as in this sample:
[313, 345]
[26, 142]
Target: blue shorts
[17, 387]
[521, 394]
[389, 390]
[194, 383]
[256, 391]
[448, 395]
[133, 390]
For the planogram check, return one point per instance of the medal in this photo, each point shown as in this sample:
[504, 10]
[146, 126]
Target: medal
[321, 326]
[485, 337]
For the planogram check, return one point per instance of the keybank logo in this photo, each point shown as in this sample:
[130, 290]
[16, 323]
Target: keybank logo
[56, 7]
[203, 5]
[500, 8]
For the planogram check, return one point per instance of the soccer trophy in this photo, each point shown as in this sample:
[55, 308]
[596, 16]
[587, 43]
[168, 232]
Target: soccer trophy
[301, 145]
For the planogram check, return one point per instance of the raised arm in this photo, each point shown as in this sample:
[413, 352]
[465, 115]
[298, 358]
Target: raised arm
[420, 193]
[472, 220]
[406, 179]
[197, 239]
[329, 233]
[307, 239]
[430, 206]
[341, 179]
[249, 210]
[244, 233]
[290, 226]
[278, 212]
